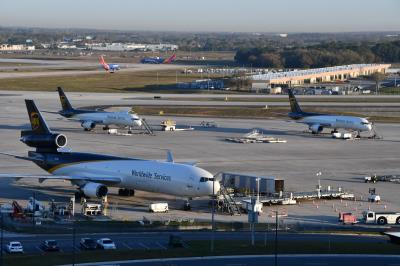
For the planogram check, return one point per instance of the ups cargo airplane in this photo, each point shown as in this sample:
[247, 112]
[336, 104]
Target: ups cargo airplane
[90, 118]
[317, 121]
[94, 173]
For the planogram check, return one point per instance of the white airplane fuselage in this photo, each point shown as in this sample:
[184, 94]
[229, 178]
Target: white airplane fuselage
[153, 176]
[338, 122]
[109, 118]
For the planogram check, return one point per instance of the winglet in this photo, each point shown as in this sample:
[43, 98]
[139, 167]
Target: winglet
[170, 157]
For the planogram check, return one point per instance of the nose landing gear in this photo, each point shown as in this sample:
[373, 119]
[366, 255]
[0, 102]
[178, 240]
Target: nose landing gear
[186, 205]
[126, 192]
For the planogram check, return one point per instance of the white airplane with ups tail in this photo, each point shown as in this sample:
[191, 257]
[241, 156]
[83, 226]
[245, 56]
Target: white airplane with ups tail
[90, 118]
[317, 121]
[92, 174]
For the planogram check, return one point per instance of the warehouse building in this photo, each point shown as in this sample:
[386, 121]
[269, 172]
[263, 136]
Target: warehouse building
[316, 75]
[16, 47]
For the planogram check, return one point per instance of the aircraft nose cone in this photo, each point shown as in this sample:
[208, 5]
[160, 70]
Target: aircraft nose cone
[138, 122]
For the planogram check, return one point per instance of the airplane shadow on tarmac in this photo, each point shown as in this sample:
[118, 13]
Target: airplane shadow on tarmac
[348, 180]
[24, 191]
[16, 127]
[272, 132]
[321, 220]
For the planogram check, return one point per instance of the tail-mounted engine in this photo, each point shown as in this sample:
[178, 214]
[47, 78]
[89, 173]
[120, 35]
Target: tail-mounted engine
[51, 141]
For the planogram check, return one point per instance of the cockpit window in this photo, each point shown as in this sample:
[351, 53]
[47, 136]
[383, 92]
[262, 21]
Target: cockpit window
[364, 123]
[205, 179]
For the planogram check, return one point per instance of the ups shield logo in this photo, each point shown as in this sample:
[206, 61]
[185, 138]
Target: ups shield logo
[35, 122]
[62, 98]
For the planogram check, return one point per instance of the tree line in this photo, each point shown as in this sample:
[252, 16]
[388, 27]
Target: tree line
[321, 55]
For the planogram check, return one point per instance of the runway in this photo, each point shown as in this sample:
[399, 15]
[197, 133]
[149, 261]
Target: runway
[57, 66]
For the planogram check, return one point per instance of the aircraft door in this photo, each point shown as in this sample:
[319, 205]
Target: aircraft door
[189, 185]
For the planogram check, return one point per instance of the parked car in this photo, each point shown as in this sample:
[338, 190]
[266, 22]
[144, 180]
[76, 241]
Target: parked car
[105, 243]
[88, 243]
[14, 247]
[50, 245]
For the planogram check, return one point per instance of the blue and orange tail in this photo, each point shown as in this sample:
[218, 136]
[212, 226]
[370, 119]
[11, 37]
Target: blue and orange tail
[103, 63]
[170, 59]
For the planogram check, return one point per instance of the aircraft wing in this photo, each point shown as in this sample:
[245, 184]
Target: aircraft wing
[98, 178]
[320, 124]
[99, 121]
[42, 178]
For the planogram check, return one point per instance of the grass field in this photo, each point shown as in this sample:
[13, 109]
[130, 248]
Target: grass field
[202, 248]
[106, 82]
[13, 64]
[47, 69]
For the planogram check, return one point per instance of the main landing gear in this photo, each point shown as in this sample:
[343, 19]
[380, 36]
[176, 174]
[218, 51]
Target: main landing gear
[126, 192]
[186, 205]
[79, 195]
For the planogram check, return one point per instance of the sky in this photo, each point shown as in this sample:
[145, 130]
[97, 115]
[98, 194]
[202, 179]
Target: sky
[206, 15]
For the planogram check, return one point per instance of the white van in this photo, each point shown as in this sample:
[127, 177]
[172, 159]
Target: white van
[158, 207]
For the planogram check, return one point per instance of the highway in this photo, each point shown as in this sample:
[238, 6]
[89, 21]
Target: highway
[281, 260]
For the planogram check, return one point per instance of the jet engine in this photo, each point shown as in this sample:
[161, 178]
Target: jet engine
[316, 128]
[88, 125]
[92, 190]
[44, 141]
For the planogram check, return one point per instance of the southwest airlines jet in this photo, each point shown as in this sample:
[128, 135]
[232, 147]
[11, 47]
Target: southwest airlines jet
[317, 121]
[158, 60]
[92, 173]
[109, 67]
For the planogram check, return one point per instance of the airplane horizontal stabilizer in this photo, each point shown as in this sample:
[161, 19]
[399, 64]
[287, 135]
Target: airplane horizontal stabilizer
[18, 156]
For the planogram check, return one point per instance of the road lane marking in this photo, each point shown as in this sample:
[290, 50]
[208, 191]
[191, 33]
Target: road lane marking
[143, 245]
[160, 245]
[126, 245]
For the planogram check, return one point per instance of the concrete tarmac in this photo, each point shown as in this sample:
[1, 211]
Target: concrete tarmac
[342, 163]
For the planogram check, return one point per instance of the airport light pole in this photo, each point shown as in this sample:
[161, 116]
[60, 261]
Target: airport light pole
[73, 243]
[212, 217]
[319, 183]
